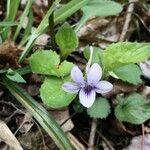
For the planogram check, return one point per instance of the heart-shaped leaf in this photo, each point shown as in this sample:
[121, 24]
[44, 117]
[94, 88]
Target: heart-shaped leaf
[100, 108]
[53, 95]
[134, 109]
[120, 54]
[130, 73]
[66, 39]
[48, 63]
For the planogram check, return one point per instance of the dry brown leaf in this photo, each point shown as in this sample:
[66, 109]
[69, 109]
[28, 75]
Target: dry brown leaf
[7, 136]
[24, 123]
[75, 142]
[136, 143]
[61, 116]
[8, 54]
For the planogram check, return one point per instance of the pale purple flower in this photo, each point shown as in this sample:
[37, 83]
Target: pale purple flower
[87, 88]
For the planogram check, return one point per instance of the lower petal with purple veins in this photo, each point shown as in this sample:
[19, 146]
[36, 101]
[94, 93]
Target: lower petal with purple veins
[103, 87]
[87, 98]
[71, 87]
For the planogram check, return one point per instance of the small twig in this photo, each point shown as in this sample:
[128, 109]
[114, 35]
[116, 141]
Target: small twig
[17, 110]
[127, 21]
[75, 142]
[92, 135]
[105, 140]
[12, 105]
[142, 142]
[13, 114]
[43, 140]
[68, 118]
[142, 21]
[51, 26]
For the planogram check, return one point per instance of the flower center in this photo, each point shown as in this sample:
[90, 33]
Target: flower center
[87, 89]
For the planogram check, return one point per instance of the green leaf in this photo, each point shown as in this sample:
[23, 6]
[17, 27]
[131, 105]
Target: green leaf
[134, 109]
[130, 73]
[100, 108]
[12, 8]
[2, 71]
[68, 9]
[66, 39]
[27, 29]
[59, 15]
[64, 69]
[98, 8]
[97, 54]
[44, 62]
[123, 53]
[40, 114]
[22, 18]
[14, 76]
[53, 95]
[47, 62]
[8, 24]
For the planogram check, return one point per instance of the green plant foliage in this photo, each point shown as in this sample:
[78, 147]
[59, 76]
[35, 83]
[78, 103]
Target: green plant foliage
[97, 54]
[134, 109]
[2, 71]
[59, 16]
[64, 69]
[25, 14]
[66, 39]
[12, 8]
[98, 8]
[123, 53]
[100, 108]
[68, 9]
[53, 95]
[40, 114]
[48, 63]
[44, 62]
[130, 73]
[27, 29]
[14, 76]
[8, 24]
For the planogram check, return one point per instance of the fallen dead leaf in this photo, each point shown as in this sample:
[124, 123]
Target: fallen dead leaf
[24, 123]
[8, 54]
[136, 143]
[61, 116]
[42, 40]
[7, 136]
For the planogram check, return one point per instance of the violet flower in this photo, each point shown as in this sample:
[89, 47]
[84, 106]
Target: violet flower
[87, 88]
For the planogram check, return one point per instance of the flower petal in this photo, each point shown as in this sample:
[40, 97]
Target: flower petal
[87, 99]
[71, 87]
[103, 87]
[77, 75]
[94, 74]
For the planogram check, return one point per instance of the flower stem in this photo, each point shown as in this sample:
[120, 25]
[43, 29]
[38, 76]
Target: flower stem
[51, 26]
[90, 59]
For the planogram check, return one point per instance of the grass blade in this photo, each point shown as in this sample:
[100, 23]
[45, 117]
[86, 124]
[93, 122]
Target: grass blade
[68, 9]
[27, 30]
[60, 15]
[12, 7]
[40, 114]
[8, 24]
[25, 14]
[36, 33]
